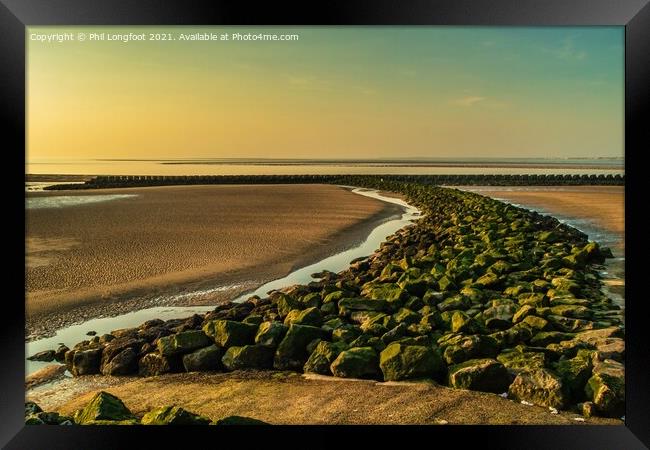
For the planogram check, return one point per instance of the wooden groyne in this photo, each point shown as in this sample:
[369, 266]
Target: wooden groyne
[115, 181]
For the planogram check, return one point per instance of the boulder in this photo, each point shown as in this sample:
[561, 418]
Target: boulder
[45, 356]
[248, 357]
[292, 354]
[103, 406]
[462, 348]
[124, 363]
[402, 362]
[462, 323]
[487, 375]
[457, 302]
[155, 364]
[228, 333]
[406, 316]
[347, 305]
[173, 415]
[270, 333]
[184, 342]
[575, 373]
[253, 319]
[203, 359]
[59, 354]
[518, 361]
[323, 356]
[86, 362]
[537, 323]
[358, 362]
[606, 388]
[540, 387]
[543, 338]
[499, 317]
[346, 333]
[310, 316]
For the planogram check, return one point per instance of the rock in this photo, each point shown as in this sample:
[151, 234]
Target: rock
[537, 323]
[323, 356]
[542, 339]
[86, 362]
[358, 362]
[606, 388]
[540, 387]
[462, 348]
[593, 336]
[347, 305]
[574, 374]
[228, 333]
[394, 334]
[184, 342]
[31, 408]
[575, 311]
[499, 317]
[270, 333]
[248, 357]
[462, 323]
[239, 420]
[103, 406]
[124, 363]
[46, 356]
[402, 362]
[611, 348]
[310, 316]
[517, 361]
[173, 415]
[292, 351]
[59, 354]
[486, 375]
[253, 319]
[155, 364]
[46, 418]
[346, 333]
[406, 316]
[569, 325]
[203, 359]
[457, 302]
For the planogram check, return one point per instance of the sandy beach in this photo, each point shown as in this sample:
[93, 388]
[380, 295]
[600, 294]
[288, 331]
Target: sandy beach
[295, 399]
[95, 258]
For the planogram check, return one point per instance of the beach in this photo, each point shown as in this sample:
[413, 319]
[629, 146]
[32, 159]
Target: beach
[109, 256]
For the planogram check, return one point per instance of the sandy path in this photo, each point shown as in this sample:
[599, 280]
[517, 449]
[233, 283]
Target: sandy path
[166, 237]
[290, 398]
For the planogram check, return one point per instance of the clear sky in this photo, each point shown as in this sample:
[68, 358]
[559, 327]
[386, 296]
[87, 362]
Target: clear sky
[337, 92]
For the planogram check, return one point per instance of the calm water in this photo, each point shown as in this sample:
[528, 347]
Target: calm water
[327, 167]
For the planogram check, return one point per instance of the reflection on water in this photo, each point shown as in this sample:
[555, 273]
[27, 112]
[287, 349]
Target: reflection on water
[63, 201]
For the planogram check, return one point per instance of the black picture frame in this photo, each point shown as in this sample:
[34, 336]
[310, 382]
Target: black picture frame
[15, 15]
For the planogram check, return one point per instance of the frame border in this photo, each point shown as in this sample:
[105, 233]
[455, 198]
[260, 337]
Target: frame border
[16, 15]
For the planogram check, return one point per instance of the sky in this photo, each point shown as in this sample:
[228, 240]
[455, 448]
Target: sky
[336, 92]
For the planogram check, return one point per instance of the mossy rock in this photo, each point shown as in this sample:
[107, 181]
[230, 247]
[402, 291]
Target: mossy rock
[570, 325]
[346, 333]
[311, 300]
[462, 348]
[347, 305]
[446, 284]
[103, 406]
[499, 316]
[292, 351]
[533, 299]
[153, 364]
[286, 303]
[457, 302]
[310, 316]
[406, 316]
[487, 375]
[173, 415]
[526, 310]
[248, 357]
[575, 373]
[606, 388]
[537, 323]
[403, 362]
[540, 387]
[228, 333]
[204, 359]
[518, 361]
[184, 342]
[334, 297]
[323, 356]
[270, 333]
[545, 338]
[574, 311]
[358, 362]
[462, 323]
[254, 319]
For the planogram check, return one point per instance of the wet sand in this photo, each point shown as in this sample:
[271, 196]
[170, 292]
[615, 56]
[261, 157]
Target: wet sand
[291, 398]
[120, 255]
